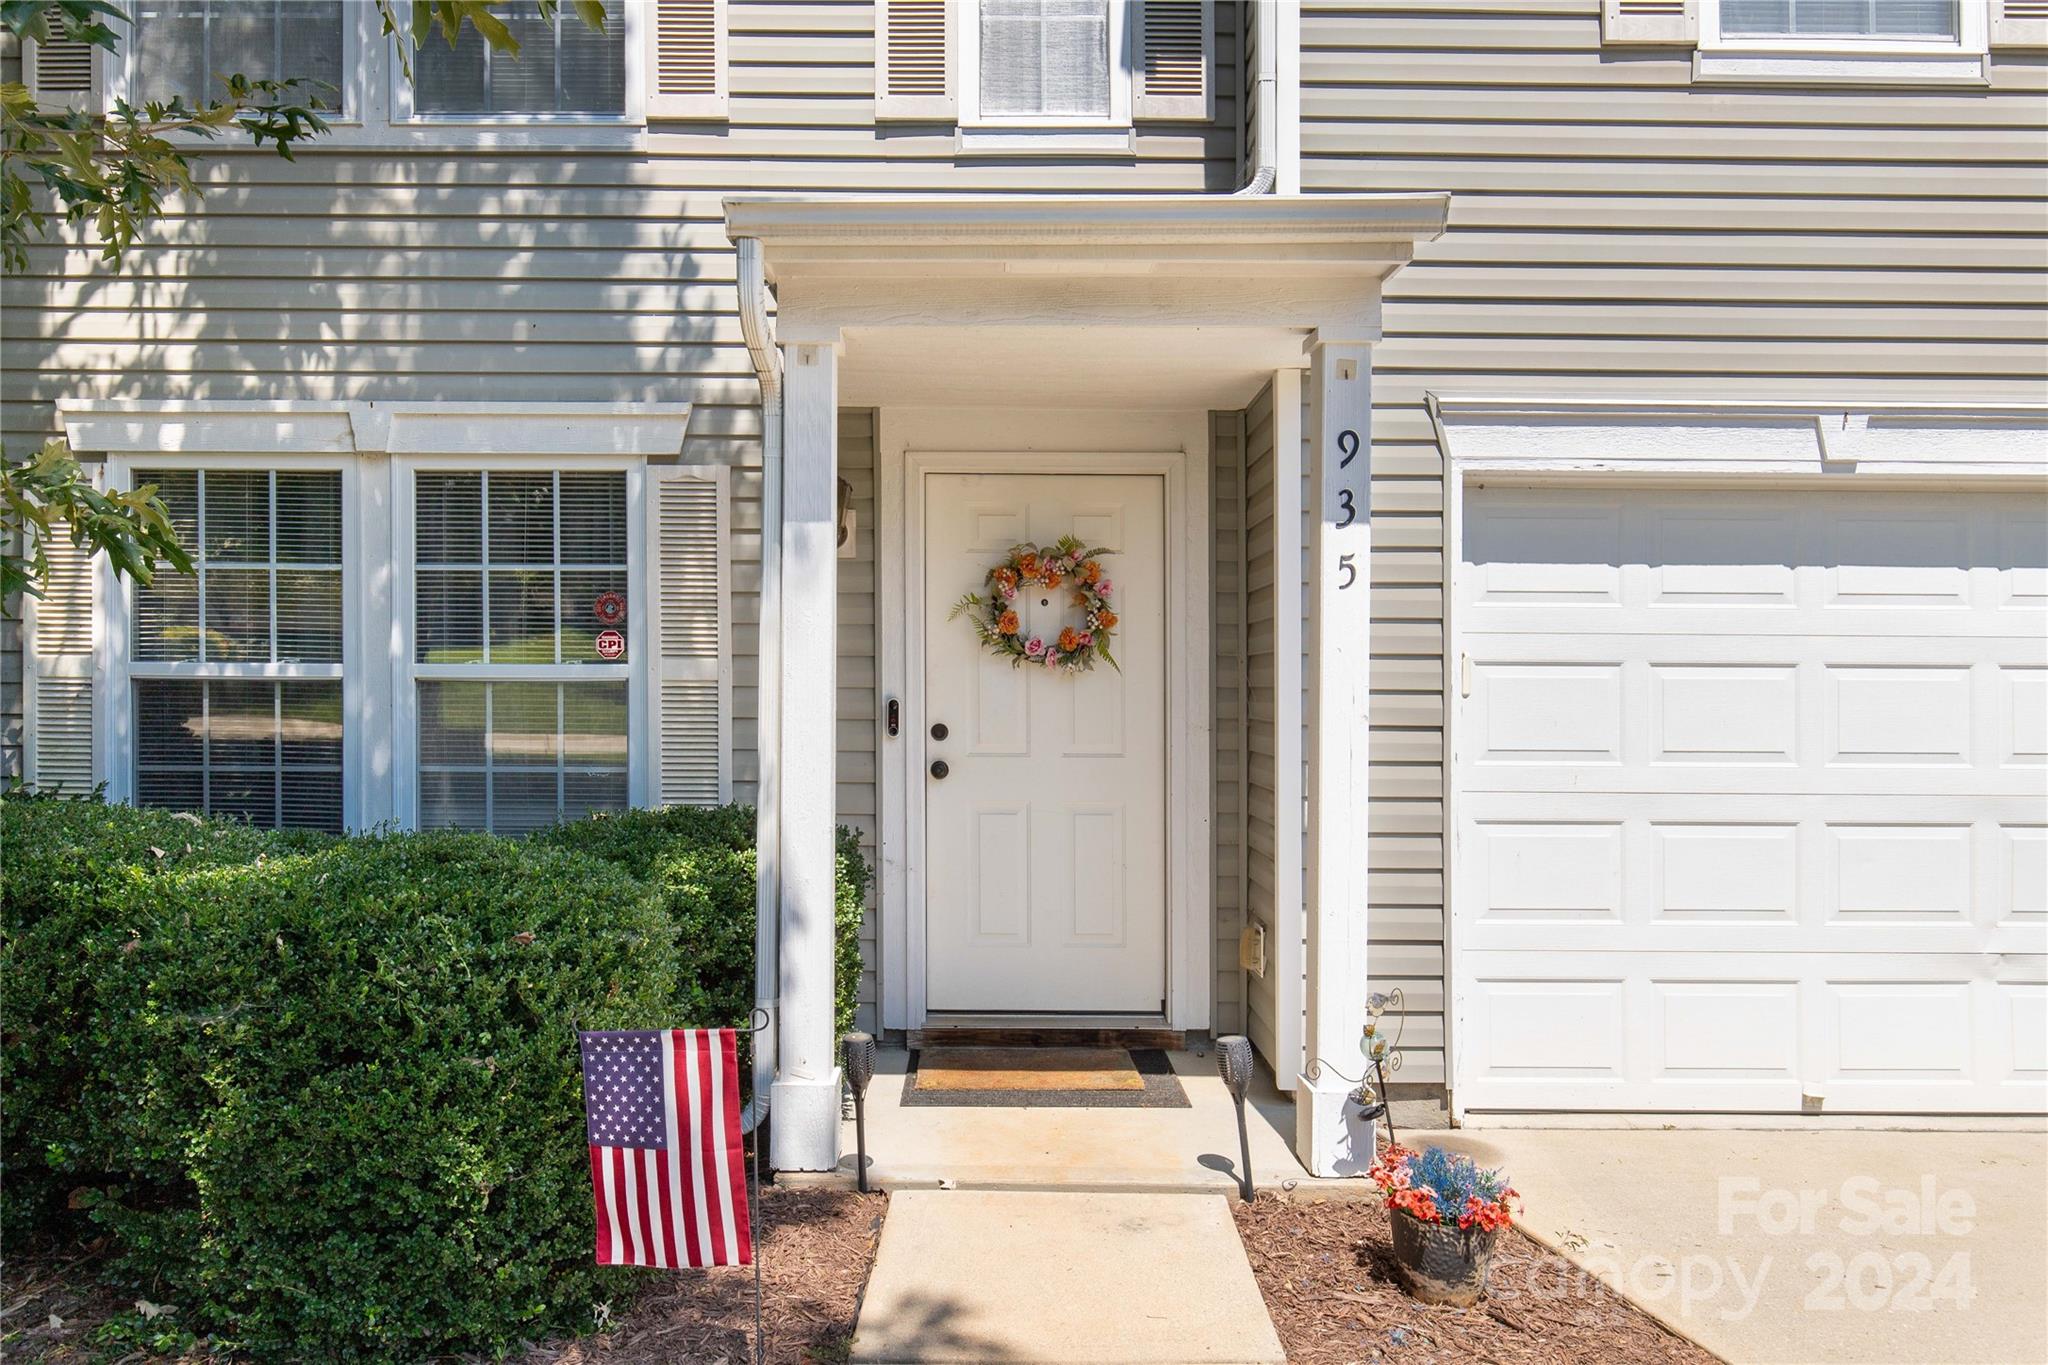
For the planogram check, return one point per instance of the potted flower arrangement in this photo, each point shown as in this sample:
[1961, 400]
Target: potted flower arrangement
[1447, 1214]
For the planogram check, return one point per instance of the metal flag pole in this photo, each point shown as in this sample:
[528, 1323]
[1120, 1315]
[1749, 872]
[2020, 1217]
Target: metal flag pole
[759, 1022]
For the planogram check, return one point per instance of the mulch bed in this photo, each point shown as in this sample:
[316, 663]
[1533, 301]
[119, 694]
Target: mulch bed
[1327, 1273]
[816, 1249]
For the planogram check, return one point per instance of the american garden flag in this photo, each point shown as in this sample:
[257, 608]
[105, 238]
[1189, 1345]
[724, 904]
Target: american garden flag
[663, 1111]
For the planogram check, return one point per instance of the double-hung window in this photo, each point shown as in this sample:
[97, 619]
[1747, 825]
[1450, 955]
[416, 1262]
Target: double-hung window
[185, 47]
[1843, 41]
[1047, 64]
[1907, 20]
[562, 67]
[235, 672]
[522, 653]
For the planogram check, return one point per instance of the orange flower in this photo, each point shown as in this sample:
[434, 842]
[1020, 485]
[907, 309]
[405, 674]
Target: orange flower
[1070, 640]
[1105, 620]
[1028, 565]
[1005, 577]
[1051, 579]
[1091, 572]
[1007, 623]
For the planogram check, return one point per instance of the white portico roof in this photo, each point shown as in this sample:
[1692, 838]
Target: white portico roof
[1089, 300]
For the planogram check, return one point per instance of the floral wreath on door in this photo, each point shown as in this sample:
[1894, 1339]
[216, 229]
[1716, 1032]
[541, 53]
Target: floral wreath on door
[1067, 564]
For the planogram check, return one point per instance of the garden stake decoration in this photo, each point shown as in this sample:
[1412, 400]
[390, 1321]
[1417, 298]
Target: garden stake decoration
[673, 1185]
[859, 1050]
[1234, 1064]
[1382, 1055]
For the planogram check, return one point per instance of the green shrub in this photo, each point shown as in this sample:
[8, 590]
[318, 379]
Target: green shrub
[325, 1092]
[700, 861]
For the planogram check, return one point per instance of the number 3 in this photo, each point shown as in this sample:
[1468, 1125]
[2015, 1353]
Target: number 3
[1345, 501]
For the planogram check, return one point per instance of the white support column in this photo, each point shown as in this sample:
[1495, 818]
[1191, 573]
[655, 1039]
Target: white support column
[1329, 1136]
[804, 1102]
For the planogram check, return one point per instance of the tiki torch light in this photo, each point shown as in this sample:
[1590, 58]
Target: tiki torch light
[1234, 1063]
[859, 1053]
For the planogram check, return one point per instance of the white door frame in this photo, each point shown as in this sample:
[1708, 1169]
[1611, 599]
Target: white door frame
[1188, 673]
[1537, 442]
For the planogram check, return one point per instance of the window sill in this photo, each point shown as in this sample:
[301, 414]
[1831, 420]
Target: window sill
[1838, 67]
[1012, 141]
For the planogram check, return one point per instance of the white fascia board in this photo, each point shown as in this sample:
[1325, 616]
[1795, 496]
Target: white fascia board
[909, 222]
[1594, 435]
[300, 427]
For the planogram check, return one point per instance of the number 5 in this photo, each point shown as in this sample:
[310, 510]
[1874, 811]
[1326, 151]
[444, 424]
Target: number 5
[1348, 569]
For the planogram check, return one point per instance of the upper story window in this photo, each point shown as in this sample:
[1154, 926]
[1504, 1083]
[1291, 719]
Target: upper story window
[1916, 20]
[1045, 58]
[563, 66]
[185, 47]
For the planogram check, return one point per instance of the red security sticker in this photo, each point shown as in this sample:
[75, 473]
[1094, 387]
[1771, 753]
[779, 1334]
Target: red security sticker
[610, 644]
[611, 607]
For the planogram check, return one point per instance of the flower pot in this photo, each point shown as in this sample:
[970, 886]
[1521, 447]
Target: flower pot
[1442, 1264]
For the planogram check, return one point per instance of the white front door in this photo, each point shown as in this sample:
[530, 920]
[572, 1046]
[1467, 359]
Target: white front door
[1045, 841]
[1751, 803]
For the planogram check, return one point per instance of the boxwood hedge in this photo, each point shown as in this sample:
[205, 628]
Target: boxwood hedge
[323, 1093]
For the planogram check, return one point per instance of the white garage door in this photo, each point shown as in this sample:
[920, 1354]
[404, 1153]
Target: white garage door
[1752, 800]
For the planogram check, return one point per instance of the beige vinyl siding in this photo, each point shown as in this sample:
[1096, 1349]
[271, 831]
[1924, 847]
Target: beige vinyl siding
[529, 271]
[1615, 230]
[1227, 725]
[1262, 705]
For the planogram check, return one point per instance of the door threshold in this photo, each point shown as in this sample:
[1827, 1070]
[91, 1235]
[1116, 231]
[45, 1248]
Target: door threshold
[1047, 1030]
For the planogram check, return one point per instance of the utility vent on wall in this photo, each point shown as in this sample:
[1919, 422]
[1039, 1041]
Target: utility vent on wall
[1173, 65]
[2019, 23]
[59, 72]
[1662, 22]
[914, 61]
[686, 60]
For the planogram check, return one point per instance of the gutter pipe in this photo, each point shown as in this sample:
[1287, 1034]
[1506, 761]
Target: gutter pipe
[759, 330]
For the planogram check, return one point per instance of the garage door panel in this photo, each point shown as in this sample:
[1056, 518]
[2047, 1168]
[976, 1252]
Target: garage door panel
[1702, 1031]
[1762, 776]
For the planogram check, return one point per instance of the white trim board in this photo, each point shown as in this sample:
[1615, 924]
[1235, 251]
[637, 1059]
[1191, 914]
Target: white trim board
[914, 442]
[298, 427]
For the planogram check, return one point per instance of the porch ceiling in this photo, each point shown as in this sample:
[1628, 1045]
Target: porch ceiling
[1167, 301]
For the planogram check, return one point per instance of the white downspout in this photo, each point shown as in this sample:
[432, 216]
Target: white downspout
[1265, 100]
[759, 330]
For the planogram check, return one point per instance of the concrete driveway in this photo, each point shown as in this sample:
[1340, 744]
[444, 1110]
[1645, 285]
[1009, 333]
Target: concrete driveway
[1825, 1245]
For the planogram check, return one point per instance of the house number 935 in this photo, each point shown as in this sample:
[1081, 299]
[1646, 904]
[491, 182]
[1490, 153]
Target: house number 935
[1347, 508]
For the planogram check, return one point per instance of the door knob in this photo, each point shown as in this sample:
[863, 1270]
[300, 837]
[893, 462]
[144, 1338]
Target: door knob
[939, 731]
[939, 768]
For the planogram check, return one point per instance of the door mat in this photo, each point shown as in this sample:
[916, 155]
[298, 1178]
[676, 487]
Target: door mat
[1043, 1078]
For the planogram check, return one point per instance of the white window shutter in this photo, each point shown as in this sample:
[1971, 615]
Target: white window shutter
[687, 66]
[916, 69]
[2019, 23]
[57, 691]
[61, 72]
[1663, 23]
[1175, 57]
[691, 625]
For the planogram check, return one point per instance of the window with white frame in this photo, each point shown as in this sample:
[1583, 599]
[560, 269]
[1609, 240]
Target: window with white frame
[520, 652]
[563, 66]
[185, 47]
[234, 673]
[1044, 58]
[1917, 20]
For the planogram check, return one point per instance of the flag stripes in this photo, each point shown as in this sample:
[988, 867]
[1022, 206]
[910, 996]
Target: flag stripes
[669, 1185]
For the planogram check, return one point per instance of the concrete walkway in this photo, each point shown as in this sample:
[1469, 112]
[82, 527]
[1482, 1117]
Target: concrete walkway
[1192, 1149]
[1803, 1245]
[1072, 1278]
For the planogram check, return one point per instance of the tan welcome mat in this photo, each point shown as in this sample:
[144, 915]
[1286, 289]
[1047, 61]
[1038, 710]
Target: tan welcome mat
[1043, 1077]
[1027, 1068]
